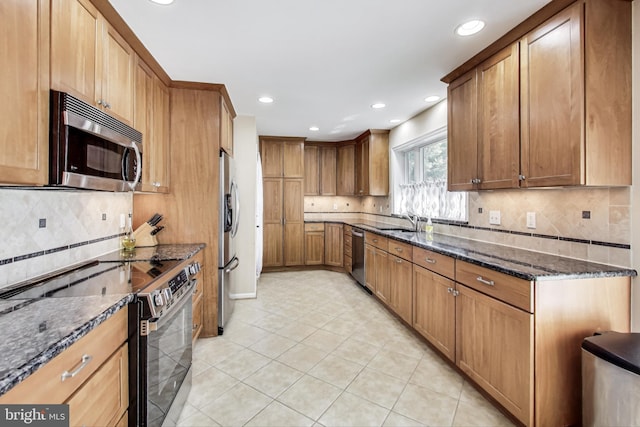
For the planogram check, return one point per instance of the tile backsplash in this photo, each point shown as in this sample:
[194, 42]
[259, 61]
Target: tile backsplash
[605, 237]
[75, 229]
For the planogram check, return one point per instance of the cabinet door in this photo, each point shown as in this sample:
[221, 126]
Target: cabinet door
[499, 120]
[311, 172]
[24, 83]
[346, 170]
[552, 94]
[333, 249]
[383, 288]
[378, 169]
[462, 133]
[293, 222]
[293, 152]
[117, 75]
[103, 399]
[314, 248]
[434, 309]
[272, 241]
[494, 346]
[76, 38]
[226, 128]
[370, 267]
[271, 155]
[362, 167]
[160, 144]
[143, 118]
[328, 171]
[401, 285]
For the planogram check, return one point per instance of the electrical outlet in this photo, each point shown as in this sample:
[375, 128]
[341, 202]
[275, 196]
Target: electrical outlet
[494, 217]
[104, 216]
[380, 208]
[335, 206]
[123, 220]
[42, 223]
[531, 220]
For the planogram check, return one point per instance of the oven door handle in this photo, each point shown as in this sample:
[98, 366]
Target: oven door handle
[148, 326]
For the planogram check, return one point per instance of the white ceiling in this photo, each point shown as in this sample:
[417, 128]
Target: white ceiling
[323, 61]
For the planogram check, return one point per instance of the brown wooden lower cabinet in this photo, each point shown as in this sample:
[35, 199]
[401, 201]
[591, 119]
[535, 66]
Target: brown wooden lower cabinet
[314, 244]
[434, 310]
[333, 246]
[370, 267]
[98, 395]
[382, 284]
[401, 284]
[494, 346]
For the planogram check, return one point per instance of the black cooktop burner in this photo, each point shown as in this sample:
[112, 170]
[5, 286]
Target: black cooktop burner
[93, 278]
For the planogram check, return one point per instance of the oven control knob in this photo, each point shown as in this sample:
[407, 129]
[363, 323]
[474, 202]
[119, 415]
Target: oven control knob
[158, 300]
[194, 268]
[167, 294]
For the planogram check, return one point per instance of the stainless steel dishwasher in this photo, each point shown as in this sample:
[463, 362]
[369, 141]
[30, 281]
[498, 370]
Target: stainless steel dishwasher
[357, 259]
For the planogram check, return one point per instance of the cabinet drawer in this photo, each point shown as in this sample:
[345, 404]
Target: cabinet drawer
[441, 264]
[103, 399]
[400, 249]
[514, 291]
[46, 385]
[314, 226]
[376, 240]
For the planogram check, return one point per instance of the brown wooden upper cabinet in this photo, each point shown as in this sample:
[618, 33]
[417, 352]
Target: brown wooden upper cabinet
[282, 157]
[372, 163]
[90, 60]
[24, 132]
[565, 85]
[152, 118]
[226, 128]
[346, 170]
[319, 169]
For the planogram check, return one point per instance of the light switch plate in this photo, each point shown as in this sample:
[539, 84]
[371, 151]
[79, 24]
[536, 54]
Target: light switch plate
[531, 220]
[494, 217]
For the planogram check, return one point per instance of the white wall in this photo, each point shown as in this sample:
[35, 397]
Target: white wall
[635, 190]
[245, 151]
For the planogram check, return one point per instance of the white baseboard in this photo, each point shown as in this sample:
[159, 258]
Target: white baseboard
[243, 296]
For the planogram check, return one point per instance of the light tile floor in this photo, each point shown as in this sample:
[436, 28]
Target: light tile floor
[315, 350]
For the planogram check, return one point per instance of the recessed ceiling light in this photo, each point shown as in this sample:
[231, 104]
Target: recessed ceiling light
[432, 98]
[395, 120]
[378, 105]
[265, 99]
[314, 128]
[163, 2]
[470, 27]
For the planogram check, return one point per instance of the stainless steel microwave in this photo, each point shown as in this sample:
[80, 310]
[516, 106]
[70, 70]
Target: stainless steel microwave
[90, 149]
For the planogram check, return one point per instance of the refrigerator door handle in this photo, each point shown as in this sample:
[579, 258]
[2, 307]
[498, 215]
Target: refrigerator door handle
[235, 262]
[236, 217]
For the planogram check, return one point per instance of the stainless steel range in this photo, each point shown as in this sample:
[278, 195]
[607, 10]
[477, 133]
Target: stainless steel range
[160, 325]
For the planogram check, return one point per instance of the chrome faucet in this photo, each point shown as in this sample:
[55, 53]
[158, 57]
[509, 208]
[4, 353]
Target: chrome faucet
[414, 220]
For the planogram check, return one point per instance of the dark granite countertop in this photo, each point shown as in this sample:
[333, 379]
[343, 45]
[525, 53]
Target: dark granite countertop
[177, 252]
[36, 330]
[516, 262]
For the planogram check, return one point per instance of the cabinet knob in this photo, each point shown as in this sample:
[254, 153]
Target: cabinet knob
[107, 105]
[99, 102]
[522, 177]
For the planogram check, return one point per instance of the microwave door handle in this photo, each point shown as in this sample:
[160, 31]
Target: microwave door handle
[135, 181]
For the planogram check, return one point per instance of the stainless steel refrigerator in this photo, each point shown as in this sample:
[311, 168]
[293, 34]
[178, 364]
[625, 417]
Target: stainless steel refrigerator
[228, 229]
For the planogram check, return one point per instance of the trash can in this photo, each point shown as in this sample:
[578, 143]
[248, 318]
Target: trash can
[611, 379]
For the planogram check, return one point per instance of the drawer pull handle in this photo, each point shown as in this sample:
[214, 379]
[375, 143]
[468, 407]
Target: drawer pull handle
[85, 361]
[375, 240]
[430, 261]
[485, 281]
[399, 249]
[399, 261]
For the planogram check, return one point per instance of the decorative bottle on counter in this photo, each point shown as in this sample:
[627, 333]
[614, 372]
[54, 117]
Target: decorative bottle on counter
[129, 240]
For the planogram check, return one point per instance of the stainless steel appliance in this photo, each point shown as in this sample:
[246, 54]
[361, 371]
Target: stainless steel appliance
[165, 346]
[611, 379]
[90, 149]
[357, 257]
[228, 229]
[160, 325]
